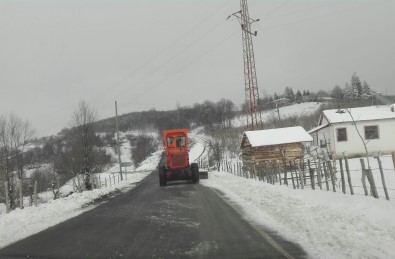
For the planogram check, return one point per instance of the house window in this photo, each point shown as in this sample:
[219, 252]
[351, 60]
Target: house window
[341, 134]
[371, 132]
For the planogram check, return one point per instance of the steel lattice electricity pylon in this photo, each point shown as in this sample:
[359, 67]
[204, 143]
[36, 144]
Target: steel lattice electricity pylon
[254, 116]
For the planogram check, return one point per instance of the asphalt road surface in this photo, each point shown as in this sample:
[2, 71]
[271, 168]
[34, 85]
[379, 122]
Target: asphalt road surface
[182, 220]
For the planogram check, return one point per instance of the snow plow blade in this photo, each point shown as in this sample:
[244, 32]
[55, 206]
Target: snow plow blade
[203, 174]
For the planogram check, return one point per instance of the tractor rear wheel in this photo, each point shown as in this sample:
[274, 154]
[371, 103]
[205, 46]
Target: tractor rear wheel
[195, 172]
[162, 178]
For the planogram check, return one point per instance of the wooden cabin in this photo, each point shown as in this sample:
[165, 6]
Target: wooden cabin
[274, 144]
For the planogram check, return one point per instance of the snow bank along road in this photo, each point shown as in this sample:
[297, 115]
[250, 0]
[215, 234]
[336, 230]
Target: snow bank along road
[182, 220]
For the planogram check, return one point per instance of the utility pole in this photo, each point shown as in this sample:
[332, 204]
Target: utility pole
[278, 112]
[118, 146]
[254, 116]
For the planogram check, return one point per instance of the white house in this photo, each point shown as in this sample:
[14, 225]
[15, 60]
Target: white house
[342, 130]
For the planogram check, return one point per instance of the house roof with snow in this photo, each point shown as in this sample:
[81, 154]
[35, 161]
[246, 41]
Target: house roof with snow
[276, 136]
[359, 114]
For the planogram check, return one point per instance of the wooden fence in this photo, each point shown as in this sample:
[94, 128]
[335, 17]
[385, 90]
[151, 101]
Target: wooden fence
[319, 172]
[34, 198]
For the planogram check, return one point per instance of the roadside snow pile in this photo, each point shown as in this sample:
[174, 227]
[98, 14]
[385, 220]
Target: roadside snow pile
[151, 162]
[19, 223]
[327, 225]
[198, 148]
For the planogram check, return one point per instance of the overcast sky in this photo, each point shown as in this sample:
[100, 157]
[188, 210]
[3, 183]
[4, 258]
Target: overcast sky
[158, 53]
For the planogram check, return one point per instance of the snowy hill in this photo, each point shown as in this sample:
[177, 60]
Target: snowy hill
[300, 109]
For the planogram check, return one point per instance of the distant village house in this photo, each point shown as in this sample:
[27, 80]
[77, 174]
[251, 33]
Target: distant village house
[342, 129]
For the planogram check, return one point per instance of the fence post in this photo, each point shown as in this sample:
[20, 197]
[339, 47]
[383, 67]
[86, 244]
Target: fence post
[20, 193]
[318, 166]
[348, 175]
[292, 178]
[332, 175]
[296, 176]
[342, 176]
[285, 172]
[311, 171]
[79, 183]
[105, 181]
[279, 172]
[364, 176]
[303, 167]
[393, 158]
[382, 178]
[113, 177]
[7, 198]
[35, 194]
[300, 177]
[372, 183]
[325, 175]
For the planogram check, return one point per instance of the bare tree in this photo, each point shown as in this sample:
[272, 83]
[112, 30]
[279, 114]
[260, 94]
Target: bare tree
[83, 140]
[5, 157]
[20, 132]
[14, 135]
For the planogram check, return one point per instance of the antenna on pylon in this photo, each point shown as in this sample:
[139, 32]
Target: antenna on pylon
[254, 116]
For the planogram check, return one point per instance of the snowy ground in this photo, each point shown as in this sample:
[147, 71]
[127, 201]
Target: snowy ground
[327, 225]
[22, 223]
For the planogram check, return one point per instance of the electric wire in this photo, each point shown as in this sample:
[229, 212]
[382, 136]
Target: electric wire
[162, 51]
[103, 95]
[137, 98]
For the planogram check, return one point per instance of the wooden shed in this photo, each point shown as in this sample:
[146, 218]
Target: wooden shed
[274, 144]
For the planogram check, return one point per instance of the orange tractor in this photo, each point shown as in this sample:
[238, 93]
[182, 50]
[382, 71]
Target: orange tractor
[177, 165]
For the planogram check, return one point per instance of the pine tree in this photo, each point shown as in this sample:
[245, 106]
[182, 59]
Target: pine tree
[367, 91]
[298, 97]
[356, 86]
[348, 93]
[289, 93]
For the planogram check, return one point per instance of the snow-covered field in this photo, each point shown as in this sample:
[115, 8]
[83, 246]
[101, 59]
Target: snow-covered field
[286, 111]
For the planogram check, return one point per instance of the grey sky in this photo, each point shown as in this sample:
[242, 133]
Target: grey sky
[155, 54]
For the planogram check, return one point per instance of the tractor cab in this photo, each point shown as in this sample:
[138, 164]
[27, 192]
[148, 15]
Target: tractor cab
[176, 147]
[176, 142]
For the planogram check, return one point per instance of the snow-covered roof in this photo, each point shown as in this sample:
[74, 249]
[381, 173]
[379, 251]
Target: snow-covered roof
[318, 128]
[359, 114]
[277, 136]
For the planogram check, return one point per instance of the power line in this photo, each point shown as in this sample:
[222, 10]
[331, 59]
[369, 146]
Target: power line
[136, 97]
[136, 84]
[119, 82]
[100, 96]
[316, 17]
